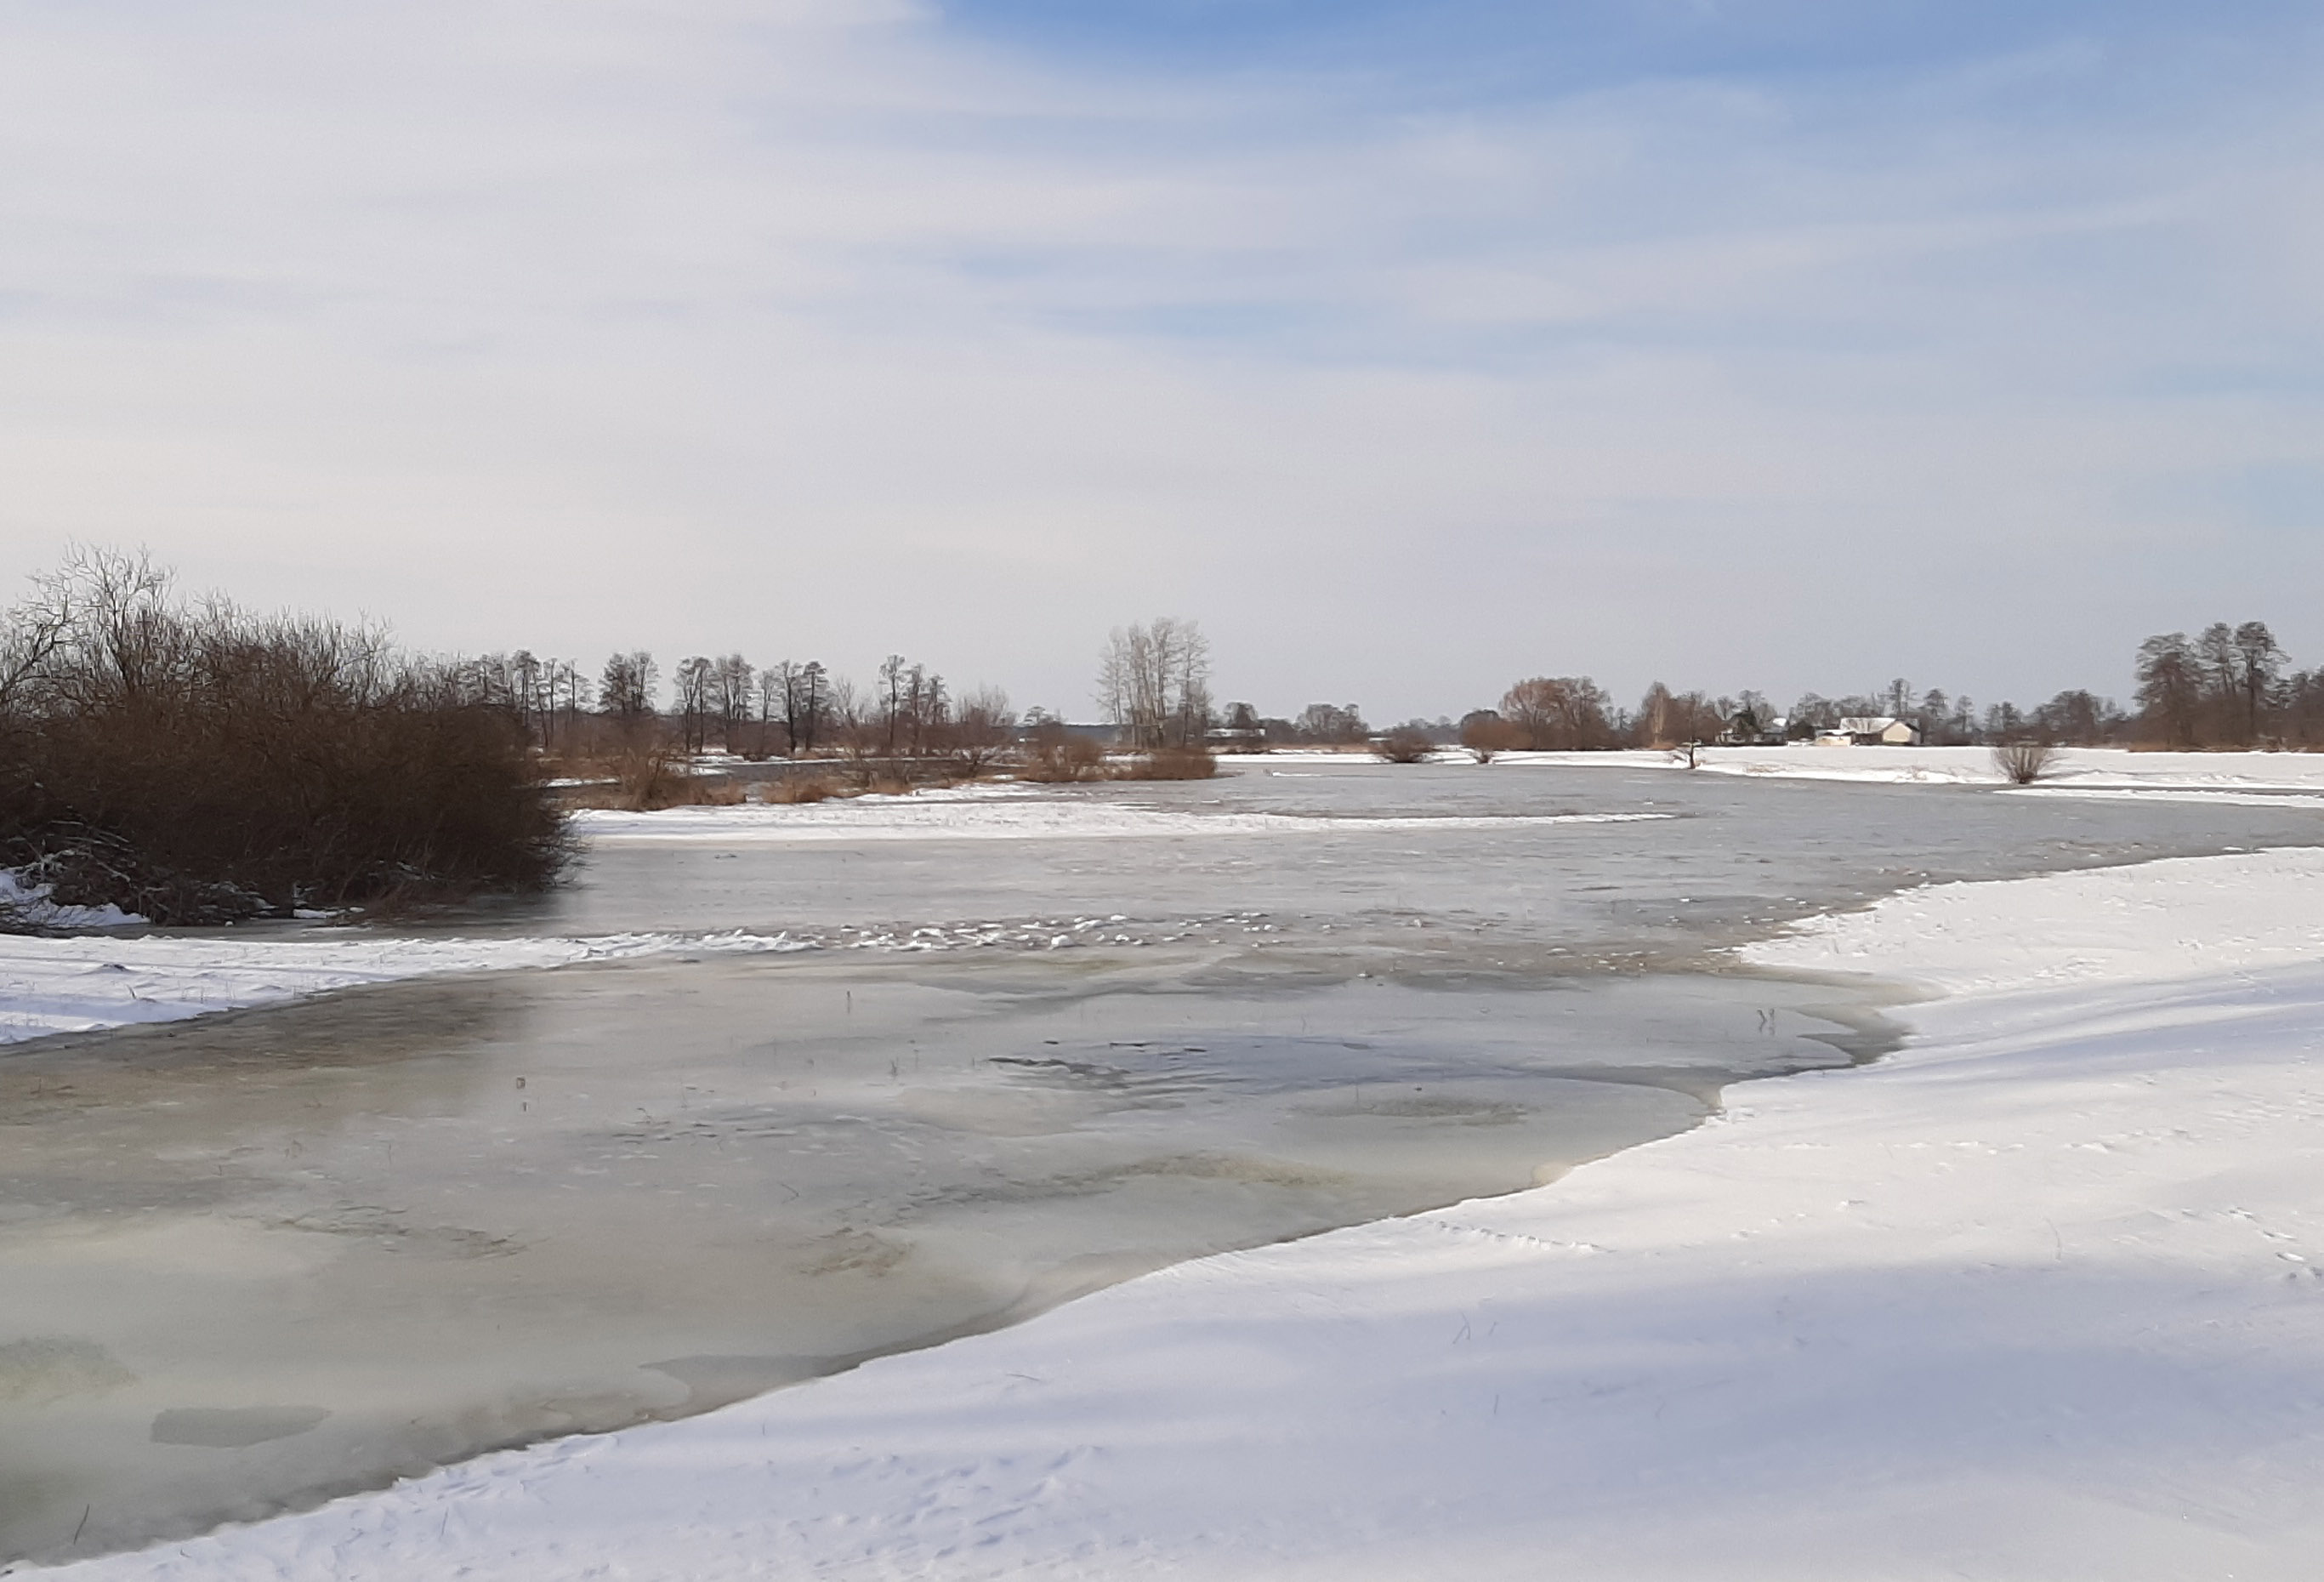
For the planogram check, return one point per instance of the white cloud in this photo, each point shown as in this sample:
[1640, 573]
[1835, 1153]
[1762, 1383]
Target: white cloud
[820, 328]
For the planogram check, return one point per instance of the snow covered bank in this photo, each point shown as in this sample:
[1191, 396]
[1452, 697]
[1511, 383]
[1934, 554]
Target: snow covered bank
[2038, 1297]
[29, 906]
[2179, 918]
[2077, 769]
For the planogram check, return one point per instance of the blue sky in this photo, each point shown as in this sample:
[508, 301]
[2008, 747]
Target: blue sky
[1411, 349]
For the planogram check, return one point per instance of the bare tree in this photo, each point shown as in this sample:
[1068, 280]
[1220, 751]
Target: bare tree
[804, 694]
[1331, 724]
[625, 687]
[694, 700]
[730, 689]
[980, 730]
[1153, 683]
[1559, 713]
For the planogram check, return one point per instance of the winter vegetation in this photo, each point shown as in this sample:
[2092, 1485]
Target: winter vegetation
[187, 761]
[193, 763]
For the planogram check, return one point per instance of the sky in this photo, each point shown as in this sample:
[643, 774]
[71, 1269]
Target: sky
[1410, 349]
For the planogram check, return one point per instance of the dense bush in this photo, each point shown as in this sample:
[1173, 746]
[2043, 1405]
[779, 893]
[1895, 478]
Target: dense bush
[197, 763]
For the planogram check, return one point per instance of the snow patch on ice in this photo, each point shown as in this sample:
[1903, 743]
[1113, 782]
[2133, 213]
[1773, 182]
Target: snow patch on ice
[83, 983]
[1027, 818]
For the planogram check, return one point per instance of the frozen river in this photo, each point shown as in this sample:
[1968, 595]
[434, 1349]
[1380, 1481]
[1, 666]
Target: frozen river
[251, 1261]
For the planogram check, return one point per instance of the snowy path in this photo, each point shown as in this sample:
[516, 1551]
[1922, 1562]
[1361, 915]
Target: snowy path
[2037, 1297]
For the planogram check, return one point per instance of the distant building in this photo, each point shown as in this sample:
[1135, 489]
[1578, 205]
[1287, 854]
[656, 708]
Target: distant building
[1747, 730]
[1870, 730]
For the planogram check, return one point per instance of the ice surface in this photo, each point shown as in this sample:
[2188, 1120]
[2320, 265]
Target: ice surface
[2036, 1298]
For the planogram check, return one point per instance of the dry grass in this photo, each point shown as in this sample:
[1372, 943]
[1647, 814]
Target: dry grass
[1170, 763]
[1058, 759]
[793, 789]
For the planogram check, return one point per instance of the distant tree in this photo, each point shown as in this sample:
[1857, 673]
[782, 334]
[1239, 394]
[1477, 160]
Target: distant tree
[1935, 717]
[803, 693]
[1331, 724]
[625, 687]
[2170, 687]
[2078, 717]
[2258, 662]
[731, 687]
[773, 684]
[1404, 744]
[1657, 720]
[891, 698]
[1814, 713]
[1559, 713]
[810, 704]
[692, 683]
[1153, 683]
[979, 729]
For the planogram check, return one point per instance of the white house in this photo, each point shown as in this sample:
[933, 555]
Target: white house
[1875, 730]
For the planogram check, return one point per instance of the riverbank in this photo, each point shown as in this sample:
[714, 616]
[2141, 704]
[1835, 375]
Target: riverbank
[2037, 1297]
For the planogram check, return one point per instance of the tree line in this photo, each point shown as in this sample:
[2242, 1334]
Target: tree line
[2228, 686]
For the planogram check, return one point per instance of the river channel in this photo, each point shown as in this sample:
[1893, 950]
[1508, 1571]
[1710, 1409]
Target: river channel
[253, 1261]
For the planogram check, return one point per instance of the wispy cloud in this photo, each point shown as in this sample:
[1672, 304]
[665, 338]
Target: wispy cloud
[830, 328]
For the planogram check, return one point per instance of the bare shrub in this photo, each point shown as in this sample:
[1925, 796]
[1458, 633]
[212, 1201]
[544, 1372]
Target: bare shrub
[197, 763]
[2024, 763]
[1487, 735]
[648, 776]
[1170, 763]
[979, 731]
[1402, 747]
[1057, 757]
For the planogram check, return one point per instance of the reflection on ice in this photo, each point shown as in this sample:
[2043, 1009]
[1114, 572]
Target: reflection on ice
[284, 1254]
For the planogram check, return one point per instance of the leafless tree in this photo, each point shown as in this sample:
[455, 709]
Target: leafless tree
[731, 687]
[980, 730]
[1559, 713]
[1331, 724]
[626, 689]
[1153, 683]
[804, 696]
[694, 688]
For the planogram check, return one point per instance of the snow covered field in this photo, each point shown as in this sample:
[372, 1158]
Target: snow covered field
[2038, 1297]
[2078, 771]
